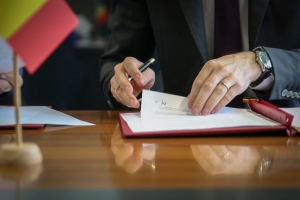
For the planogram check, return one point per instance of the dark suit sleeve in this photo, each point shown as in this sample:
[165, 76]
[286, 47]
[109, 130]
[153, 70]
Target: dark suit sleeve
[286, 70]
[130, 36]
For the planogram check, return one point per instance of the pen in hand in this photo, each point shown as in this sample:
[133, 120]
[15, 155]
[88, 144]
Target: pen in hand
[141, 69]
[144, 67]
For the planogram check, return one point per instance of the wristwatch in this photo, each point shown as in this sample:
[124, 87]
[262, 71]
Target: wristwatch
[265, 63]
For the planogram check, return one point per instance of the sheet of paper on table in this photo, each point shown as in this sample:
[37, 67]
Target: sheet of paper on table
[38, 115]
[164, 112]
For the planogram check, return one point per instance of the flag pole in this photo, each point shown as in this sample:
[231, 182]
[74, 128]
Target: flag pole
[19, 153]
[17, 101]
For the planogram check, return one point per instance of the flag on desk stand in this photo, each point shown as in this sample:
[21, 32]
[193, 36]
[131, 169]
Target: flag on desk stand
[33, 29]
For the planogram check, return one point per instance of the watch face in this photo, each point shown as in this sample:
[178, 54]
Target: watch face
[264, 58]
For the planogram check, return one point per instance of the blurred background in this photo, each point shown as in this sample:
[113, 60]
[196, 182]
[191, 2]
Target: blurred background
[69, 78]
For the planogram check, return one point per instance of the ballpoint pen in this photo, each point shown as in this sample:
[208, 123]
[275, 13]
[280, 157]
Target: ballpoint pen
[142, 68]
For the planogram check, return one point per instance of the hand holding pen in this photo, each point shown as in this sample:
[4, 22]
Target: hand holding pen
[131, 77]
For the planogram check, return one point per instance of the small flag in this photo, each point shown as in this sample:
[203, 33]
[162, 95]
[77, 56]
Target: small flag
[34, 28]
[101, 14]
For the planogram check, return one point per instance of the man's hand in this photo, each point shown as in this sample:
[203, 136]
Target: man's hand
[220, 80]
[7, 81]
[124, 91]
[130, 156]
[219, 159]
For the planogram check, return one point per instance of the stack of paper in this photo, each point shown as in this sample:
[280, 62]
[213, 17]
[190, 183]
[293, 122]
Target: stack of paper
[162, 112]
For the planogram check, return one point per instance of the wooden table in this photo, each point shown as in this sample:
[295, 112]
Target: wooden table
[96, 162]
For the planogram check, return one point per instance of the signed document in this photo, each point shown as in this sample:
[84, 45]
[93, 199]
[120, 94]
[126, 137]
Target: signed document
[166, 112]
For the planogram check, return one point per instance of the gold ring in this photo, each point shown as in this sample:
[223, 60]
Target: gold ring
[224, 84]
[226, 154]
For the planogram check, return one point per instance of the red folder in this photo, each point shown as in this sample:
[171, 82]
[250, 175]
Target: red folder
[24, 126]
[261, 107]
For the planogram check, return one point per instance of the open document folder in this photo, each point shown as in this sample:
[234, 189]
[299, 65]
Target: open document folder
[168, 115]
[37, 117]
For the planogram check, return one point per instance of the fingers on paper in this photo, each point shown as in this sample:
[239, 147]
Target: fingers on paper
[225, 100]
[196, 87]
[203, 88]
[214, 87]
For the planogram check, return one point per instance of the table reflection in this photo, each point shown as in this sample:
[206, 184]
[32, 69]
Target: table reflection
[7, 138]
[213, 159]
[221, 159]
[259, 160]
[18, 173]
[131, 156]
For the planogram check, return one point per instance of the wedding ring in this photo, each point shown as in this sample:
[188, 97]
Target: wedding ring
[224, 84]
[226, 154]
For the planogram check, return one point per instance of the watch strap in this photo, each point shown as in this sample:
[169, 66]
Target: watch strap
[265, 74]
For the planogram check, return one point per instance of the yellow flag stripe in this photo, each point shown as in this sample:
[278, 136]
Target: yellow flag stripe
[14, 13]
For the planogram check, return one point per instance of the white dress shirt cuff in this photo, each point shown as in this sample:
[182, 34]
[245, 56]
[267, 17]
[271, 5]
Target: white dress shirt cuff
[265, 85]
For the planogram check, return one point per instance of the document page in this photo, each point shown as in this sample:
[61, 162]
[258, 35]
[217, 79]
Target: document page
[38, 115]
[165, 112]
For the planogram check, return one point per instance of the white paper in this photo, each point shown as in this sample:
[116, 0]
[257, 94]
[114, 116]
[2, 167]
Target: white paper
[38, 115]
[162, 112]
[6, 57]
[296, 113]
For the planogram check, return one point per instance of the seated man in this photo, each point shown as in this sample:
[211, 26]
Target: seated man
[213, 52]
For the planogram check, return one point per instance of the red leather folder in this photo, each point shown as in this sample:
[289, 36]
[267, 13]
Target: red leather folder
[24, 126]
[262, 107]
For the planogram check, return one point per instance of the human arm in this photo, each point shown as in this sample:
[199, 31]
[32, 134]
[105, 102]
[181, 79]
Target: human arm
[236, 71]
[130, 35]
[207, 96]
[286, 72]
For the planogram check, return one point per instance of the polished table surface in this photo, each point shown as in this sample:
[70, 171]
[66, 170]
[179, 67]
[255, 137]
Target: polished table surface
[96, 162]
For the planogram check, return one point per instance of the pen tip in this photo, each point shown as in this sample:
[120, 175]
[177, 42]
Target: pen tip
[152, 60]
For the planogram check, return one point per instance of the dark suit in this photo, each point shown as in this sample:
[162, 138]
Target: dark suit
[176, 29]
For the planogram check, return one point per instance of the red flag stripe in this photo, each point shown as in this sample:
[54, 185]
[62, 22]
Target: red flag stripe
[42, 33]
